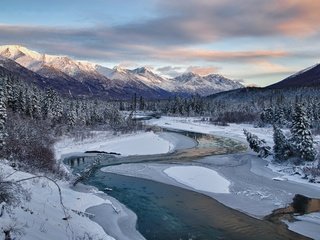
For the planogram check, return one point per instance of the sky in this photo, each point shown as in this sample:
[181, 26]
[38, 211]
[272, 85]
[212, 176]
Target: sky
[258, 42]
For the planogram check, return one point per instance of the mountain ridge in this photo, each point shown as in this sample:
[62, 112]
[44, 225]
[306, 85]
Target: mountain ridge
[308, 77]
[142, 80]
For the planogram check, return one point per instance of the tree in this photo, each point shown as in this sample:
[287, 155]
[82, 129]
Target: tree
[141, 103]
[282, 150]
[302, 140]
[267, 116]
[3, 116]
[257, 145]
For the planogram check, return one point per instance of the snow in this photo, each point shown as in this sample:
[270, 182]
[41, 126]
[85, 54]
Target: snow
[141, 143]
[307, 225]
[204, 85]
[45, 221]
[200, 178]
[280, 179]
[234, 131]
[194, 124]
[42, 217]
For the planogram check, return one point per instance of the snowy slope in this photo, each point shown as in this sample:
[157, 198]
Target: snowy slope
[42, 63]
[42, 216]
[308, 77]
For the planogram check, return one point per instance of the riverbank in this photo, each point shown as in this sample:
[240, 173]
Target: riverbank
[115, 218]
[141, 143]
[86, 213]
[47, 216]
[235, 131]
[254, 188]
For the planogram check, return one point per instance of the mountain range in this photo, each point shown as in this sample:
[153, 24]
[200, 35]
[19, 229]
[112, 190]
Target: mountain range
[82, 78]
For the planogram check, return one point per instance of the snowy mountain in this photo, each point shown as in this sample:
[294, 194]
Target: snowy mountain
[309, 77]
[66, 74]
[204, 85]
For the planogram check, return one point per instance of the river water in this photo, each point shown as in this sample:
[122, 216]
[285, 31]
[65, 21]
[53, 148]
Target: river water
[167, 212]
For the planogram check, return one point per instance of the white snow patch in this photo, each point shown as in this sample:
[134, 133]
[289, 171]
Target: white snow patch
[307, 225]
[200, 178]
[142, 143]
[280, 179]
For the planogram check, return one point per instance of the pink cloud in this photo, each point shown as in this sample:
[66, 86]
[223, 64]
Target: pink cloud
[203, 71]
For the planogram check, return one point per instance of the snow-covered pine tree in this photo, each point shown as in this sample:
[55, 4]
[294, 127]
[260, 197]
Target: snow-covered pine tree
[257, 145]
[281, 148]
[3, 114]
[267, 116]
[302, 140]
[278, 117]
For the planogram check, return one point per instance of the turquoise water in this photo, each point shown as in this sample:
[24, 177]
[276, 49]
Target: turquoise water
[167, 212]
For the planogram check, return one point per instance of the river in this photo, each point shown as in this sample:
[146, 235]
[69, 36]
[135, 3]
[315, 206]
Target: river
[169, 212]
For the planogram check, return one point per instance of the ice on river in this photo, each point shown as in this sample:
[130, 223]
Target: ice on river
[200, 178]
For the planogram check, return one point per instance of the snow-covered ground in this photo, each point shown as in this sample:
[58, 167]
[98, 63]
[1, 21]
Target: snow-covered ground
[141, 143]
[194, 124]
[200, 178]
[42, 216]
[234, 131]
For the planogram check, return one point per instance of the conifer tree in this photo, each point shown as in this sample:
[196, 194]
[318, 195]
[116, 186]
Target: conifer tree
[3, 115]
[282, 150]
[257, 145]
[302, 140]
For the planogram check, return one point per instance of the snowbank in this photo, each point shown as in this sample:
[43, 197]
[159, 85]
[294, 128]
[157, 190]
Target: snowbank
[193, 124]
[42, 217]
[234, 131]
[142, 143]
[200, 178]
[307, 225]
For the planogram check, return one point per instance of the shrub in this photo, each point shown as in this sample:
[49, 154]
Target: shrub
[29, 143]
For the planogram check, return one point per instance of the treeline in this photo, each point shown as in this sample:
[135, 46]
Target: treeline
[261, 107]
[32, 118]
[177, 106]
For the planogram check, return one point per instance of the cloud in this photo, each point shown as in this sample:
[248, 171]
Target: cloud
[203, 71]
[185, 33]
[187, 55]
[305, 15]
[99, 44]
[128, 64]
[269, 67]
[170, 71]
[208, 20]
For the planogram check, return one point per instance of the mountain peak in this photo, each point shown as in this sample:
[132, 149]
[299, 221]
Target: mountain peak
[187, 76]
[15, 51]
[190, 74]
[142, 70]
[119, 69]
